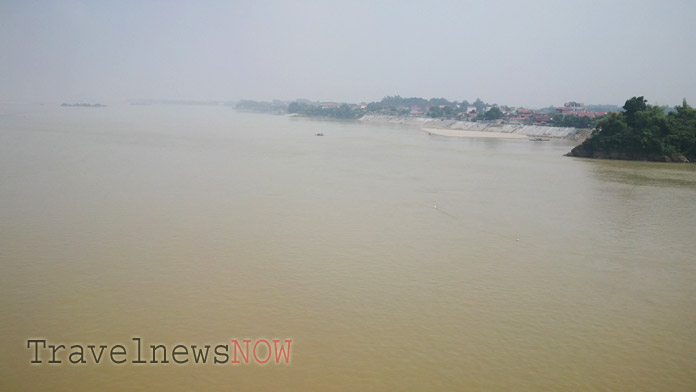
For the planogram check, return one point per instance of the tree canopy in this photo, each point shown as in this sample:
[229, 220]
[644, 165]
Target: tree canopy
[342, 111]
[643, 132]
[493, 114]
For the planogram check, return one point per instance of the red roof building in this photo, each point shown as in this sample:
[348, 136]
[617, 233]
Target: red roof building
[416, 110]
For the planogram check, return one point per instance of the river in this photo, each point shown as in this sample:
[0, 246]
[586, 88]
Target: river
[393, 259]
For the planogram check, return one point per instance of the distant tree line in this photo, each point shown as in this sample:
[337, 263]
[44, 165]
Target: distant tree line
[603, 108]
[342, 111]
[643, 132]
[84, 105]
[275, 106]
[433, 107]
[416, 106]
[574, 121]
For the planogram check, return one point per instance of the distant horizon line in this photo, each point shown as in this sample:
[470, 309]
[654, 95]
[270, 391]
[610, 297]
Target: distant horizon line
[214, 102]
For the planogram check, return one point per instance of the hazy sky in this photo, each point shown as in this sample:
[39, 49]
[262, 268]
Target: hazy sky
[534, 53]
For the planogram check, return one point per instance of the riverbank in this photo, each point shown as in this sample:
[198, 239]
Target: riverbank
[470, 133]
[461, 128]
[643, 132]
[586, 151]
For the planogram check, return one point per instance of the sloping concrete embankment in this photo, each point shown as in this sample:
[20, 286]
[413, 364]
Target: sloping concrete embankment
[526, 130]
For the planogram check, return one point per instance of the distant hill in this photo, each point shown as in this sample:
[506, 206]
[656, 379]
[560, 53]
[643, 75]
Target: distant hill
[84, 105]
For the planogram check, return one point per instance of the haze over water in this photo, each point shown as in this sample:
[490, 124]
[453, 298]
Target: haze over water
[197, 225]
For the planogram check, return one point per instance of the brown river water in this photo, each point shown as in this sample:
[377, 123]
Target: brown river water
[393, 259]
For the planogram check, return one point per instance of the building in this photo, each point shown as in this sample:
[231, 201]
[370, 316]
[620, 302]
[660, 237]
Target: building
[571, 107]
[416, 111]
[565, 110]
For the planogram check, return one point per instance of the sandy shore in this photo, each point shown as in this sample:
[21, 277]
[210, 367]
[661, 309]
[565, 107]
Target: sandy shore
[464, 133]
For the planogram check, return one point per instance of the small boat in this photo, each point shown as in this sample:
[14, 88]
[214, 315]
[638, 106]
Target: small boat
[538, 139]
[318, 134]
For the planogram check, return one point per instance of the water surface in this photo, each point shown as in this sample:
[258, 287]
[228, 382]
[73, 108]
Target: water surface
[195, 225]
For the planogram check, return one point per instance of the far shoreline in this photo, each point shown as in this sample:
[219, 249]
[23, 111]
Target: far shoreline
[455, 128]
[473, 134]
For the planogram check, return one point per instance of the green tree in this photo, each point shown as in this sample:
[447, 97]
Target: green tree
[480, 105]
[294, 107]
[633, 106]
[683, 124]
[643, 132]
[493, 114]
[435, 111]
[374, 107]
[439, 101]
